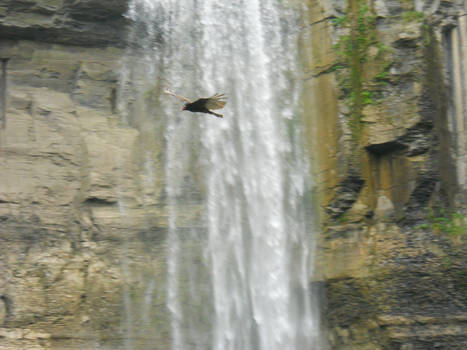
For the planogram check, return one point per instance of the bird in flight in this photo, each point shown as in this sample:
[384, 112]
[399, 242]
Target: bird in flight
[203, 105]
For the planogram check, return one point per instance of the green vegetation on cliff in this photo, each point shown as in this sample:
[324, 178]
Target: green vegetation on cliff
[352, 52]
[449, 223]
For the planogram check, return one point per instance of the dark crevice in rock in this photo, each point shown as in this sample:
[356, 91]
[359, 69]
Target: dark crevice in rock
[346, 194]
[417, 140]
[406, 43]
[5, 309]
[95, 201]
[419, 198]
[3, 91]
[113, 100]
[385, 147]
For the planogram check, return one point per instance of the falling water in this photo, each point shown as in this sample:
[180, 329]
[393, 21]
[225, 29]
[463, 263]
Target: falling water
[239, 246]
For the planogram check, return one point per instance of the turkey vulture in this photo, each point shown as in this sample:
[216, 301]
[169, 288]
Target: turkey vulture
[203, 105]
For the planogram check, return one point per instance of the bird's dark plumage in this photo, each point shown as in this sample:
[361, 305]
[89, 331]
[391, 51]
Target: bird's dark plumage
[203, 105]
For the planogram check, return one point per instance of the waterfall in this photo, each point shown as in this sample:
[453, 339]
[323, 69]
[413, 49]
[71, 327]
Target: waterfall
[239, 244]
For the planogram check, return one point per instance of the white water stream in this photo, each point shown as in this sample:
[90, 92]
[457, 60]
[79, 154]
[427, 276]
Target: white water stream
[238, 275]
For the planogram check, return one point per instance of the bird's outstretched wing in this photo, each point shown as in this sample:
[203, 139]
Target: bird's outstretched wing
[181, 98]
[216, 101]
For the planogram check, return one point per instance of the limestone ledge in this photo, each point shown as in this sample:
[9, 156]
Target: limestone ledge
[22, 333]
[83, 22]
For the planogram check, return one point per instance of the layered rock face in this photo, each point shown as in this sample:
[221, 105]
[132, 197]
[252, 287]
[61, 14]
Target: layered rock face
[81, 237]
[70, 22]
[387, 137]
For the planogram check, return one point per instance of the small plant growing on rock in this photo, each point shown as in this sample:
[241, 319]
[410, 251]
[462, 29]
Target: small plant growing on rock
[453, 224]
[413, 16]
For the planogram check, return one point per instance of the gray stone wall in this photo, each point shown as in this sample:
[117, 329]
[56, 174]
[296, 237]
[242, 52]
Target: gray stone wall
[81, 236]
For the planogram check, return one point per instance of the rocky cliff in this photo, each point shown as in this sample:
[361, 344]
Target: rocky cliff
[386, 130]
[82, 234]
[76, 214]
